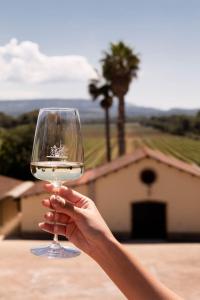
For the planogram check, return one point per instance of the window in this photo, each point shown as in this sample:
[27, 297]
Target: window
[148, 176]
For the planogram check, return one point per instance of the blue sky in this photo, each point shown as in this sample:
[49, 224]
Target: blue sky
[166, 34]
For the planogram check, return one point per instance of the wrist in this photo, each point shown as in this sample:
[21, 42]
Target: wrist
[104, 248]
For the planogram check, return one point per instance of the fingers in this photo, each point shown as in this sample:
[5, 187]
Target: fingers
[62, 205]
[65, 192]
[53, 228]
[56, 217]
[47, 203]
[59, 229]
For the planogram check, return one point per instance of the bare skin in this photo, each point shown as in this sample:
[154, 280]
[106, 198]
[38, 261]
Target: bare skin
[80, 221]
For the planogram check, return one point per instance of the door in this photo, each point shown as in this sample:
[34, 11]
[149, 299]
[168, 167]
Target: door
[149, 220]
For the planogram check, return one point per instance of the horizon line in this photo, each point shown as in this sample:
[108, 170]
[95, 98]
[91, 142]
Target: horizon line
[87, 99]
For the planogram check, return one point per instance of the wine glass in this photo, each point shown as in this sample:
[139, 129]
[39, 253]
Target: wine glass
[57, 157]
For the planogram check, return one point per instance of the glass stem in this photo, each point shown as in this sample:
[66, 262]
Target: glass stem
[55, 238]
[56, 184]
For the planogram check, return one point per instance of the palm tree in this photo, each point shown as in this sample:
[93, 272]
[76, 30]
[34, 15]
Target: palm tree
[104, 93]
[120, 66]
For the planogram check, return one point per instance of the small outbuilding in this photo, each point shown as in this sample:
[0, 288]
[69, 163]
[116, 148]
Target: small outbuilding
[10, 214]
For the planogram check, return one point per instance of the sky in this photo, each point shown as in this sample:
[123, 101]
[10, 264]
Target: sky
[50, 48]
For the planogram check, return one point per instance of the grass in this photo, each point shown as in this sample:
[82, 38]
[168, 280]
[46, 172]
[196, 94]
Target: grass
[136, 136]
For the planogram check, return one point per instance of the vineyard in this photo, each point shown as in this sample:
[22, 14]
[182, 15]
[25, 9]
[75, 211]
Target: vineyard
[136, 136]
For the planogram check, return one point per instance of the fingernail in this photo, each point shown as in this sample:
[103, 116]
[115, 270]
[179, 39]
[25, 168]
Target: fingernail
[41, 224]
[49, 214]
[56, 200]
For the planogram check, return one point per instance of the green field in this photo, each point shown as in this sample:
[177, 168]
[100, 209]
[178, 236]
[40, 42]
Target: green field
[95, 152]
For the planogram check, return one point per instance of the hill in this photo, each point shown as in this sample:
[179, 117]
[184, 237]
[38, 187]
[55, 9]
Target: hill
[88, 109]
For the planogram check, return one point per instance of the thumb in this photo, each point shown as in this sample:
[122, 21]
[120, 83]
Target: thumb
[64, 206]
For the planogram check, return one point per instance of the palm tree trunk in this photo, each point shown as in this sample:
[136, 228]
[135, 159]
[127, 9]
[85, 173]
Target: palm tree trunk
[107, 134]
[121, 127]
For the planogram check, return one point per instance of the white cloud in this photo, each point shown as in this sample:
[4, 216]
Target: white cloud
[25, 63]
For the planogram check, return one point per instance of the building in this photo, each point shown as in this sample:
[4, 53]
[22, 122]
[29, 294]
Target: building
[10, 192]
[146, 194]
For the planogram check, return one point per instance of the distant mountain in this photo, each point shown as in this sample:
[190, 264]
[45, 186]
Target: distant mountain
[88, 109]
[134, 110]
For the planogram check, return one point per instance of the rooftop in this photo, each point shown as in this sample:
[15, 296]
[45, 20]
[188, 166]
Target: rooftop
[7, 184]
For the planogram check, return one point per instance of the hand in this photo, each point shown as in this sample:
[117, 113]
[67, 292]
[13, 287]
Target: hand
[78, 219]
[75, 217]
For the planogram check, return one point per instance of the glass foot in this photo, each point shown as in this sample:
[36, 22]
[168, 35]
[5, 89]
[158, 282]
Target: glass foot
[55, 250]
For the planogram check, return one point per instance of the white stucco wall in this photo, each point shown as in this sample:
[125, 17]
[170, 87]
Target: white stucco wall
[180, 191]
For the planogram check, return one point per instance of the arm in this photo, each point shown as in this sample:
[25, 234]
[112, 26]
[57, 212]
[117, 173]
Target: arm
[129, 275]
[80, 221]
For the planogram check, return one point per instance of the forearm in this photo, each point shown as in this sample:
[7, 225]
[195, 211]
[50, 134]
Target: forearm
[128, 274]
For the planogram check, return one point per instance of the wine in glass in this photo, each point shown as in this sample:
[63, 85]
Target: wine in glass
[57, 157]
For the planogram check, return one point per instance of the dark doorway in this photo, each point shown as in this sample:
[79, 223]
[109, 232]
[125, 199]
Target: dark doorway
[149, 220]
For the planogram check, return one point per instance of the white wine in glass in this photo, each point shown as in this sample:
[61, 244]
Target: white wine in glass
[57, 157]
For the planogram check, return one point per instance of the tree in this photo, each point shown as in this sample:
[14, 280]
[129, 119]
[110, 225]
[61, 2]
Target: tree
[28, 118]
[15, 151]
[120, 65]
[104, 93]
[7, 121]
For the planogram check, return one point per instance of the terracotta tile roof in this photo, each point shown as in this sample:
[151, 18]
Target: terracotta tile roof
[122, 162]
[36, 189]
[20, 189]
[171, 161]
[139, 154]
[7, 184]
